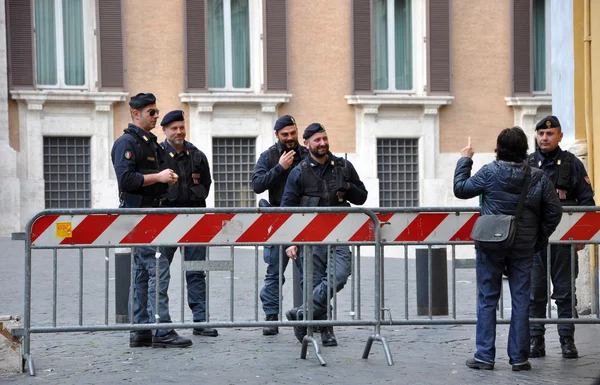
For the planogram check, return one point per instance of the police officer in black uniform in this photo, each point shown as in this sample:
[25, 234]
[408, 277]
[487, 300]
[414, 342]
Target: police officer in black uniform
[573, 188]
[142, 179]
[270, 173]
[322, 180]
[190, 190]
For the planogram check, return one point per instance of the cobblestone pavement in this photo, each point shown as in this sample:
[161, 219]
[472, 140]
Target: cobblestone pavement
[422, 354]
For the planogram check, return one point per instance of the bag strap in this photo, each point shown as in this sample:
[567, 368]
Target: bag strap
[523, 192]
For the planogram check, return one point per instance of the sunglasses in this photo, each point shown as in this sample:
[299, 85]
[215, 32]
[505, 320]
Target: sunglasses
[153, 112]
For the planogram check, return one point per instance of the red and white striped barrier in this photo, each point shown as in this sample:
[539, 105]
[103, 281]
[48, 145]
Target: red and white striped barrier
[275, 228]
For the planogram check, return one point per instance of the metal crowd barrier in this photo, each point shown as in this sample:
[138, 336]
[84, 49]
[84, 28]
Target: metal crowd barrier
[393, 233]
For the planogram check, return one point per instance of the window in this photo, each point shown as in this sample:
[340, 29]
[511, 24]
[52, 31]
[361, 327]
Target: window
[67, 172]
[392, 45]
[233, 166]
[59, 43]
[228, 44]
[398, 172]
[541, 48]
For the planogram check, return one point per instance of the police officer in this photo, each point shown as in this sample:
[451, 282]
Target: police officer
[270, 173]
[138, 160]
[322, 180]
[190, 190]
[573, 188]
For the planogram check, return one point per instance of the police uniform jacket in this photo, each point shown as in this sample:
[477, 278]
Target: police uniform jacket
[314, 184]
[193, 184]
[270, 175]
[500, 184]
[135, 154]
[568, 175]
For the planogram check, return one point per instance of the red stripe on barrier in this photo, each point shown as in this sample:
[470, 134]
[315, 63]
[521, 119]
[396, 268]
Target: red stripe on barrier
[90, 229]
[40, 225]
[320, 227]
[420, 228]
[148, 228]
[366, 233]
[263, 227]
[206, 228]
[584, 229]
[464, 233]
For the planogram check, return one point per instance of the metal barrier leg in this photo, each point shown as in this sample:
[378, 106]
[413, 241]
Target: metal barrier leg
[310, 339]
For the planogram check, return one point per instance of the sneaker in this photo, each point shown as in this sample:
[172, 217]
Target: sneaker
[206, 332]
[537, 347]
[171, 340]
[522, 366]
[327, 337]
[567, 345]
[271, 330]
[474, 364]
[140, 338]
[296, 314]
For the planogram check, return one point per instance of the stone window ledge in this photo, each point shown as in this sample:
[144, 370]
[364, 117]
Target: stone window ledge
[529, 104]
[371, 103]
[36, 99]
[206, 101]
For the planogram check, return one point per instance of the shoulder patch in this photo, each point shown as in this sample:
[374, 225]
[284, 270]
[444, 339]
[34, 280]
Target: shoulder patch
[127, 155]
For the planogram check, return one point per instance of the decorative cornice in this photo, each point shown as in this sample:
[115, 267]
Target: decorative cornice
[35, 99]
[269, 100]
[529, 105]
[371, 103]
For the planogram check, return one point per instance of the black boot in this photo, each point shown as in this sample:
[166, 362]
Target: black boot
[296, 314]
[567, 345]
[271, 330]
[171, 340]
[327, 337]
[206, 332]
[537, 348]
[140, 338]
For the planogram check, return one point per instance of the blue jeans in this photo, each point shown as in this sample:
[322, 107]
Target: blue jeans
[323, 273]
[560, 273]
[269, 294]
[144, 292]
[196, 280]
[489, 268]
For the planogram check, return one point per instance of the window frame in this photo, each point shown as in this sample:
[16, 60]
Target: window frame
[60, 59]
[547, 53]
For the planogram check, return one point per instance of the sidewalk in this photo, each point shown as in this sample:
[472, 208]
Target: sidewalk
[422, 354]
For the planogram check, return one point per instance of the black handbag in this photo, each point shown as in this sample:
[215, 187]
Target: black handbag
[495, 232]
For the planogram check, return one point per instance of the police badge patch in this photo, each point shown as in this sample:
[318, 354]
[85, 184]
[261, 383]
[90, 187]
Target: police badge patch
[127, 155]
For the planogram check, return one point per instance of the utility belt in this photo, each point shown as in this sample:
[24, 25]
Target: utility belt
[152, 202]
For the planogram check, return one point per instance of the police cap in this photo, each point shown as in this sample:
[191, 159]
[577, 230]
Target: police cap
[549, 121]
[284, 121]
[312, 129]
[173, 116]
[142, 100]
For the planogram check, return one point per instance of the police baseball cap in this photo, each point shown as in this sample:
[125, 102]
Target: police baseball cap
[549, 121]
[312, 129]
[142, 100]
[173, 116]
[284, 121]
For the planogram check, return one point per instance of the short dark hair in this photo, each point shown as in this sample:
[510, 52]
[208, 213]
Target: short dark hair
[511, 145]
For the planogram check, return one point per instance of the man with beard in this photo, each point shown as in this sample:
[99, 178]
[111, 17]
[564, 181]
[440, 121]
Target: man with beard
[270, 173]
[322, 180]
[138, 160]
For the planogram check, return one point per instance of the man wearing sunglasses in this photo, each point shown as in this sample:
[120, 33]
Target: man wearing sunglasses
[138, 162]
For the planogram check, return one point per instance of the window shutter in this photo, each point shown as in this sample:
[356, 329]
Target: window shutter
[110, 44]
[439, 46]
[20, 43]
[522, 46]
[361, 40]
[276, 44]
[195, 21]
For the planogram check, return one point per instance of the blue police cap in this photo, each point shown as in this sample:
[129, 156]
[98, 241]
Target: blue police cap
[142, 100]
[549, 121]
[173, 116]
[284, 121]
[312, 129]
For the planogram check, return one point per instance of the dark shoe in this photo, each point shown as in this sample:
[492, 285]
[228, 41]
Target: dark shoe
[474, 364]
[206, 332]
[537, 347]
[171, 340]
[567, 345]
[296, 314]
[327, 337]
[141, 338]
[271, 330]
[523, 366]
